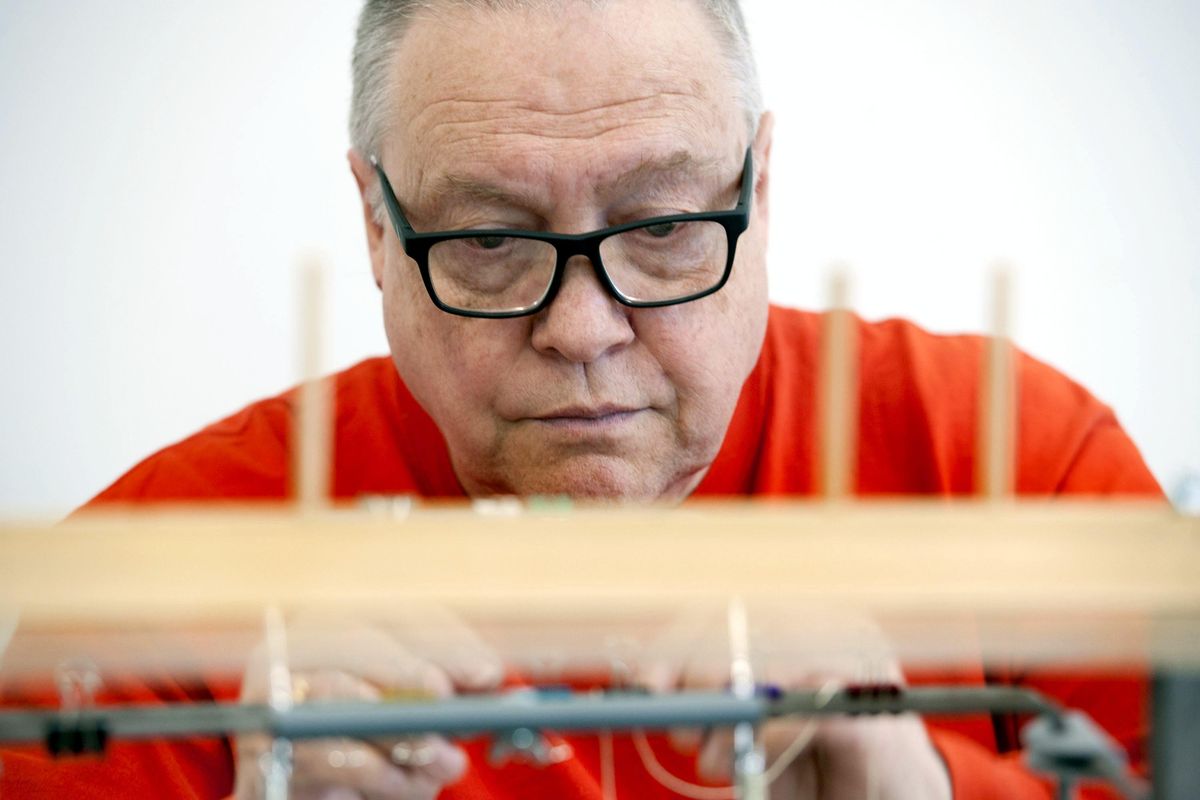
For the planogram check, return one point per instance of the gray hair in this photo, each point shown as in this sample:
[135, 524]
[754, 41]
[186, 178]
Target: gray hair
[383, 23]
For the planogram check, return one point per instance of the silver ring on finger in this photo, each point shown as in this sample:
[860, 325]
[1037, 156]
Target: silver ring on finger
[412, 753]
[340, 759]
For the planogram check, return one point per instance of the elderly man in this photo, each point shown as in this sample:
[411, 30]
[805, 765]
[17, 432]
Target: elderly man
[566, 205]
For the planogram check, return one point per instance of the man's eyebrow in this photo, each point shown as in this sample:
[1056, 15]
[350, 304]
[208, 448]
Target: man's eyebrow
[672, 168]
[675, 167]
[459, 187]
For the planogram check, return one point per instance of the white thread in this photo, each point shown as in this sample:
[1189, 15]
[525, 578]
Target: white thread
[742, 685]
[608, 767]
[748, 760]
[694, 790]
[792, 751]
[673, 782]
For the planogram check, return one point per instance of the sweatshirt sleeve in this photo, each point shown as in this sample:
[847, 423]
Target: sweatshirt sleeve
[977, 773]
[1104, 464]
[1108, 463]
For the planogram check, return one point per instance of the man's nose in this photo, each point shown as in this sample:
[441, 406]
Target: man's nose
[584, 321]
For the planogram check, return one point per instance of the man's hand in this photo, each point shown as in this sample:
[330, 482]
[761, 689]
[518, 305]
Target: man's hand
[332, 660]
[877, 758]
[886, 757]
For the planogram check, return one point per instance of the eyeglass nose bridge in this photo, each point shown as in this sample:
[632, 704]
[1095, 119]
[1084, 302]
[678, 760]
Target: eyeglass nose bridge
[587, 247]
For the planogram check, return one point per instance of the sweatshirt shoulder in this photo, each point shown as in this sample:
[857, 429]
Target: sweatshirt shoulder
[243, 456]
[1066, 439]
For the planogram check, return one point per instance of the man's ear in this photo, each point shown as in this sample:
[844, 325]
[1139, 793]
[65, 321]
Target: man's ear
[364, 176]
[762, 163]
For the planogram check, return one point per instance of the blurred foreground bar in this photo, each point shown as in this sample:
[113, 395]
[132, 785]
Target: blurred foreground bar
[1073, 585]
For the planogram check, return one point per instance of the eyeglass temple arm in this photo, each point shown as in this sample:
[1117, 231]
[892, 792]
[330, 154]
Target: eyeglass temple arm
[400, 222]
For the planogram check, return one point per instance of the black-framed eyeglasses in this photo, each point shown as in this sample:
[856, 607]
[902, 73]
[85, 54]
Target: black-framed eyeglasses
[660, 261]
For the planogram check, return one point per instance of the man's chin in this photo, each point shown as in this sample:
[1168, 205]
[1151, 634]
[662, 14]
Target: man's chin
[603, 479]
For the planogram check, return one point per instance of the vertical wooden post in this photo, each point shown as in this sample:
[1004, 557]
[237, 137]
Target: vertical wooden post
[312, 430]
[995, 460]
[837, 392]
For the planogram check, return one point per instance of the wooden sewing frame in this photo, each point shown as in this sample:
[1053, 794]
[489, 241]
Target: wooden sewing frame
[1055, 583]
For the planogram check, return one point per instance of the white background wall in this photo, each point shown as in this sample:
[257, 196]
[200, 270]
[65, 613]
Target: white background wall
[162, 163]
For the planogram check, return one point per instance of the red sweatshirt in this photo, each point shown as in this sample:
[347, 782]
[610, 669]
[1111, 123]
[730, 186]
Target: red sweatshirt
[917, 434]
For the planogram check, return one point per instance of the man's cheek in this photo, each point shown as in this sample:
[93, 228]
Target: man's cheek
[675, 329]
[694, 338]
[479, 347]
[474, 365]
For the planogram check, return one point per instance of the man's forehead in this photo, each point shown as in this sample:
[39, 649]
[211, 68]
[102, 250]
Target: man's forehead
[637, 175]
[500, 66]
[479, 114]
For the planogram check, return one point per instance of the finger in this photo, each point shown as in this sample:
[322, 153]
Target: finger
[715, 762]
[441, 636]
[705, 674]
[779, 736]
[410, 678]
[331, 684]
[432, 756]
[324, 764]
[337, 793]
[661, 678]
[389, 672]
[686, 740]
[700, 674]
[369, 652]
[658, 677]
[659, 667]
[361, 769]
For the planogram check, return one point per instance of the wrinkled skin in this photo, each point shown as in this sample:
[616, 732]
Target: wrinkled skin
[587, 398]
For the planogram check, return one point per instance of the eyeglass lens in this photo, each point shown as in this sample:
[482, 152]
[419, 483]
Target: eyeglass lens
[653, 263]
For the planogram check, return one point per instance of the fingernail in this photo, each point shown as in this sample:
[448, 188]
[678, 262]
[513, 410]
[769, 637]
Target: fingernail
[657, 677]
[685, 740]
[713, 763]
[481, 675]
[449, 763]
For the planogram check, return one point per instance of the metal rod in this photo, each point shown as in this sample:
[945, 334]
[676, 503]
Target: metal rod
[749, 762]
[1175, 732]
[921, 700]
[464, 716]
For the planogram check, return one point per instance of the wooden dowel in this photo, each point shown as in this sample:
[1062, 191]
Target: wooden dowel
[1077, 580]
[838, 396]
[312, 446]
[995, 461]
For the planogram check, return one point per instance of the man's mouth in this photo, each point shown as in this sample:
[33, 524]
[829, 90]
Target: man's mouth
[585, 419]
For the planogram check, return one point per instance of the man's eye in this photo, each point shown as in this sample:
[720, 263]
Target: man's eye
[489, 242]
[662, 229]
